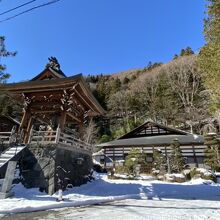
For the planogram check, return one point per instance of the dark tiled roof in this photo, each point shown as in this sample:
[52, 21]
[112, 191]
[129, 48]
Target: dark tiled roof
[155, 140]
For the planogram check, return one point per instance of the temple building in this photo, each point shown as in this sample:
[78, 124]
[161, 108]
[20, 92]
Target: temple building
[152, 136]
[56, 109]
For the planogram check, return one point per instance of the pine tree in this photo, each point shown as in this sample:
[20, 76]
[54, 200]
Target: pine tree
[159, 160]
[7, 107]
[212, 152]
[177, 161]
[134, 158]
[4, 53]
[210, 54]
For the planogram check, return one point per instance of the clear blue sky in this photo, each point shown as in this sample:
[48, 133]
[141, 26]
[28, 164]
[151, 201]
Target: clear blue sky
[100, 36]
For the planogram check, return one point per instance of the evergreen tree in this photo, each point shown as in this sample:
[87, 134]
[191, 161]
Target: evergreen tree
[102, 92]
[134, 158]
[159, 160]
[212, 152]
[210, 54]
[115, 86]
[126, 80]
[177, 161]
[175, 56]
[4, 53]
[186, 52]
[7, 106]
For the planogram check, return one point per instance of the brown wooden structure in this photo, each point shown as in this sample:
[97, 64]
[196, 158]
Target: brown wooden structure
[53, 99]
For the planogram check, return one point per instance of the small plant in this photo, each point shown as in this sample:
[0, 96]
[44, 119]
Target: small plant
[212, 152]
[134, 158]
[177, 161]
[159, 162]
[202, 173]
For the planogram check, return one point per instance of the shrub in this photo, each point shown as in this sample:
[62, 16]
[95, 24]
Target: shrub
[202, 173]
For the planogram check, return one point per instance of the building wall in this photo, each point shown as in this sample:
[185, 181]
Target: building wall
[194, 154]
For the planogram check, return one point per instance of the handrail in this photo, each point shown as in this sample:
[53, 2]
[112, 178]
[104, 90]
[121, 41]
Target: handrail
[42, 136]
[3, 132]
[5, 137]
[56, 137]
[69, 137]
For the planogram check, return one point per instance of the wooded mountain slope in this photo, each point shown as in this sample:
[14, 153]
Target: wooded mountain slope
[172, 94]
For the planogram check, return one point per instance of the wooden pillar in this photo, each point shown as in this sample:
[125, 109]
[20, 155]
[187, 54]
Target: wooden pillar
[81, 128]
[194, 156]
[113, 159]
[24, 124]
[113, 154]
[166, 153]
[62, 120]
[104, 157]
[29, 125]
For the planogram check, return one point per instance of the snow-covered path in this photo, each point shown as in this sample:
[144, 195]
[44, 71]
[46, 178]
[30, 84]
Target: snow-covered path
[136, 199]
[132, 210]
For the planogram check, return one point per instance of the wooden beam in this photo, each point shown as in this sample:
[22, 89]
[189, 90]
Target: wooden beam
[83, 99]
[73, 117]
[43, 112]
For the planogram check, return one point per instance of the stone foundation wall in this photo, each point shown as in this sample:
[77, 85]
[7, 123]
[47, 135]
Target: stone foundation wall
[50, 168]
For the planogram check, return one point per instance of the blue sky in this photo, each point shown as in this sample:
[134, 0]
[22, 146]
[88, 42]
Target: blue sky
[100, 36]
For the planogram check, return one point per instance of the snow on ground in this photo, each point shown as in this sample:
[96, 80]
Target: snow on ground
[103, 190]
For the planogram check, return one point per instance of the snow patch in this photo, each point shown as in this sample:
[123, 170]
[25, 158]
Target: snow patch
[104, 190]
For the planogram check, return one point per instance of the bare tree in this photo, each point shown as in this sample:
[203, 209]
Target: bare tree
[185, 81]
[90, 132]
[119, 107]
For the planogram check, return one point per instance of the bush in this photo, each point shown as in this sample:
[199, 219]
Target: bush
[196, 173]
[134, 158]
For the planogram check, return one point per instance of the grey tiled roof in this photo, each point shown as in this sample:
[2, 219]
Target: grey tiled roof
[156, 140]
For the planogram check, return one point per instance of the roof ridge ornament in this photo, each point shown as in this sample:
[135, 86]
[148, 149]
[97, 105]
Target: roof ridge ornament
[53, 63]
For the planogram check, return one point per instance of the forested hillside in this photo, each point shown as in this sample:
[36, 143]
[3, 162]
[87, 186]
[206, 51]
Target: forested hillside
[173, 94]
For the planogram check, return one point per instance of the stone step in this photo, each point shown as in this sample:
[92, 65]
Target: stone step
[10, 152]
[16, 149]
[3, 159]
[6, 155]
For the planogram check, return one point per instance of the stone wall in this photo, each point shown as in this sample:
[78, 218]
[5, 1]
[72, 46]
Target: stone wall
[37, 167]
[50, 167]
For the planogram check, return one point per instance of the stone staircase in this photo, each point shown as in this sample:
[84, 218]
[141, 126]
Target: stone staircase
[10, 154]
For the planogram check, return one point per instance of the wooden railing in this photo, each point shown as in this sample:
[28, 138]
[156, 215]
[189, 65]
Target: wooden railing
[9, 137]
[5, 137]
[72, 141]
[42, 137]
[57, 137]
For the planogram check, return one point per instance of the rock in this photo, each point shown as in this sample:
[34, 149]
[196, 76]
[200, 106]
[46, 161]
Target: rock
[175, 177]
